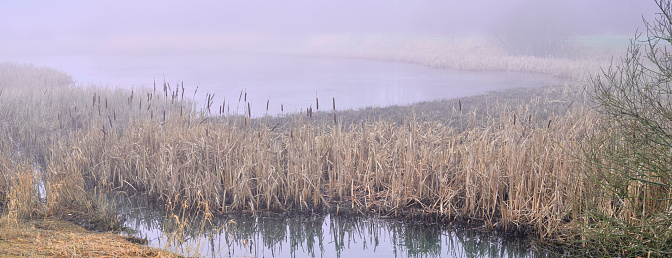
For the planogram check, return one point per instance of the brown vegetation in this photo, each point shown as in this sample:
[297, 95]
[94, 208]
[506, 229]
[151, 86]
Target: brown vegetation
[507, 164]
[509, 169]
[59, 238]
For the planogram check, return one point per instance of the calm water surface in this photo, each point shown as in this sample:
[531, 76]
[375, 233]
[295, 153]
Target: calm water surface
[242, 235]
[292, 81]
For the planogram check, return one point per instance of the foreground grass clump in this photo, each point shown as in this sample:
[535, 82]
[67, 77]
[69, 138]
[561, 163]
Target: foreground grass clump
[50, 237]
[58, 223]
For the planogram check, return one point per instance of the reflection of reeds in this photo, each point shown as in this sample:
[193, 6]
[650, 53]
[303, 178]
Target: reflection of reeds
[318, 234]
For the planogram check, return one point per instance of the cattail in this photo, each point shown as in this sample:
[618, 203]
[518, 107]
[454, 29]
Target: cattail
[549, 123]
[267, 101]
[94, 100]
[276, 125]
[281, 108]
[514, 119]
[249, 110]
[241, 95]
[317, 104]
[333, 101]
[245, 99]
[459, 102]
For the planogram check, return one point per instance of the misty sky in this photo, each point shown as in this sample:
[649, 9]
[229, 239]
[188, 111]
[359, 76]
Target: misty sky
[44, 24]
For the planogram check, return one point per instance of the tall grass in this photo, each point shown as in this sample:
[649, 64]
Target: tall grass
[506, 167]
[511, 174]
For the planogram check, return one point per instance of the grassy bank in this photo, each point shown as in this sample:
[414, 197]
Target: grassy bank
[54, 237]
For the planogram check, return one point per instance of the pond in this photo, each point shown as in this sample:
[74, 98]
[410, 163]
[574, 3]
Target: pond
[292, 82]
[275, 235]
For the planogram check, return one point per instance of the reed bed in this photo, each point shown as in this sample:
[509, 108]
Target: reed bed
[511, 174]
[477, 54]
[509, 167]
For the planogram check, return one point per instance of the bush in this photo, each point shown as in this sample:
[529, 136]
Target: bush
[630, 211]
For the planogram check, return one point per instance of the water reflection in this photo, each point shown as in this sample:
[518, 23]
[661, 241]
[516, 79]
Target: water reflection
[240, 235]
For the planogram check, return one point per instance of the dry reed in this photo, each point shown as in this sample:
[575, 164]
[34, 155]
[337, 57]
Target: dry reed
[506, 174]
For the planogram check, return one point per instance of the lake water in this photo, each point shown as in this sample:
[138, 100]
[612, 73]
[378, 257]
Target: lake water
[241, 235]
[291, 81]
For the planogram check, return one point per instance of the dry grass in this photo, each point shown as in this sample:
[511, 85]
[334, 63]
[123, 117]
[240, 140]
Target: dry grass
[510, 174]
[31, 225]
[58, 238]
[508, 167]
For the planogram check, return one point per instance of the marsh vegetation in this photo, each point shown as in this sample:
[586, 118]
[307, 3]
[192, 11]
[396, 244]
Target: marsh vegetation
[542, 162]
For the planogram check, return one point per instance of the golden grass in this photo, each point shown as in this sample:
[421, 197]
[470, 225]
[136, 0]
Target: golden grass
[508, 174]
[49, 237]
[508, 167]
[31, 227]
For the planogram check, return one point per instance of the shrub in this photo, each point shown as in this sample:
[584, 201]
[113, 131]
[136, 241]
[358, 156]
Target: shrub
[630, 211]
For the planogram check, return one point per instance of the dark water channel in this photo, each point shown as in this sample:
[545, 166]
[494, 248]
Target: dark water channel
[241, 235]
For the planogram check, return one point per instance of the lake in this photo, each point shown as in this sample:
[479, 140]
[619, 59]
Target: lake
[291, 81]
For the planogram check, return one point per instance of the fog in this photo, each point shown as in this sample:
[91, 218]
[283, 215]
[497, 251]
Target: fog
[74, 26]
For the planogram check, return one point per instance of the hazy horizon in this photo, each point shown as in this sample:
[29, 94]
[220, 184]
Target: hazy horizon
[45, 27]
